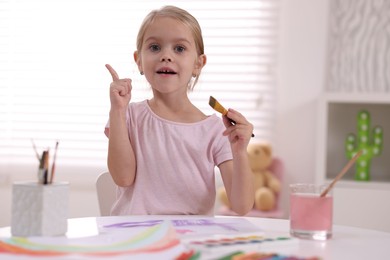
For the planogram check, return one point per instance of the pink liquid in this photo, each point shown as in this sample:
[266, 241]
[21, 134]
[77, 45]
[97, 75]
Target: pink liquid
[310, 212]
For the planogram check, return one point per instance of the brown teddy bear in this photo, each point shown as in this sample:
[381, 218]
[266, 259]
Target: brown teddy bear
[266, 185]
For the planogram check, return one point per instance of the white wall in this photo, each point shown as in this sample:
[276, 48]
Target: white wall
[302, 70]
[301, 77]
[302, 61]
[301, 74]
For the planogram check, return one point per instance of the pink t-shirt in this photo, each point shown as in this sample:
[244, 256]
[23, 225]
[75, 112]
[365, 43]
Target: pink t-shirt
[175, 164]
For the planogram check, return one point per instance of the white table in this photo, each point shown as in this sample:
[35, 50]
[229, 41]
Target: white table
[347, 242]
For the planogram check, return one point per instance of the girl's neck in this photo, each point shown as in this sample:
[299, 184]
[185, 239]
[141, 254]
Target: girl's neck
[176, 109]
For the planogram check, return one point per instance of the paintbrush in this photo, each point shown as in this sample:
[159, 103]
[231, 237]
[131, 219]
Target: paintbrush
[41, 169]
[46, 167]
[53, 166]
[343, 171]
[219, 108]
[35, 150]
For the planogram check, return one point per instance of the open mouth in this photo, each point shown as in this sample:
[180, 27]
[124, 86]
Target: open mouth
[167, 72]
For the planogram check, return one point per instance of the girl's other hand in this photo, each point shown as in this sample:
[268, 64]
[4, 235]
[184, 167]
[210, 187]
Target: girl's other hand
[239, 134]
[120, 90]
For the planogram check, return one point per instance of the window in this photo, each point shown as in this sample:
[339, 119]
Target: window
[54, 85]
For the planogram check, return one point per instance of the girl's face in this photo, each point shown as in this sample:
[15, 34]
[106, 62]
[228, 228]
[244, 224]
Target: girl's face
[168, 56]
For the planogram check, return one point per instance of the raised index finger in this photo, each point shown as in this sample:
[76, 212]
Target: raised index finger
[113, 73]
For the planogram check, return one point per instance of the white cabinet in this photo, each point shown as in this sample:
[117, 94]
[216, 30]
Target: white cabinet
[360, 203]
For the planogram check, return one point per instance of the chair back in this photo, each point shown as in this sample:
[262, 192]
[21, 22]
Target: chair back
[106, 193]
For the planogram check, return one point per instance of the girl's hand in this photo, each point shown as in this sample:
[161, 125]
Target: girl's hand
[120, 90]
[240, 133]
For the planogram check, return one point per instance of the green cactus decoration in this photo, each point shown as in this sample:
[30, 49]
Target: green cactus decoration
[371, 145]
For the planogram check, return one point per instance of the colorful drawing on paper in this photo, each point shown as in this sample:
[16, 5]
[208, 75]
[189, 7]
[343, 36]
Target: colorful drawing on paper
[191, 226]
[158, 239]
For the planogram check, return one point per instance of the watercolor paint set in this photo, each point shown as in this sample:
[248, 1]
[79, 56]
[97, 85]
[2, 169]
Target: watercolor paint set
[245, 243]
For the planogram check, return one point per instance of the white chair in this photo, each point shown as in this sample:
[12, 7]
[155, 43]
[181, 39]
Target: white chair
[106, 192]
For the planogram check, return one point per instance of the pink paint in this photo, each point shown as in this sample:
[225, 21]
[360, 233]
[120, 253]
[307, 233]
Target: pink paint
[309, 212]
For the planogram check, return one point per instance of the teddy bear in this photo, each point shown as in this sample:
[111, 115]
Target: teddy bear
[266, 185]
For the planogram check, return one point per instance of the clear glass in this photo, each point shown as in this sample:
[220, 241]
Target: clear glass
[311, 216]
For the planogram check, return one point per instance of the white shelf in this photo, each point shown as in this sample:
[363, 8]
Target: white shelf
[374, 185]
[337, 118]
[360, 203]
[371, 98]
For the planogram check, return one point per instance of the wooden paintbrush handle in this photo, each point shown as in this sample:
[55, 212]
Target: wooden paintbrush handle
[234, 123]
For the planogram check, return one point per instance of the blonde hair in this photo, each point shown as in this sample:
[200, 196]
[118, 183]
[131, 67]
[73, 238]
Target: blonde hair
[181, 15]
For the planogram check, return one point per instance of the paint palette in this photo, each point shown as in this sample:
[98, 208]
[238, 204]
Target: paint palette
[243, 243]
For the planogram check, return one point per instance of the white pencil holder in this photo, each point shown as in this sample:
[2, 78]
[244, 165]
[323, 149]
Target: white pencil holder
[39, 210]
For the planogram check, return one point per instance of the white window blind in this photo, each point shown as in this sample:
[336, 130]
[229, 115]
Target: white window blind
[54, 86]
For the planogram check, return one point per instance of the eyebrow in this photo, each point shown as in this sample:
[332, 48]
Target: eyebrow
[176, 40]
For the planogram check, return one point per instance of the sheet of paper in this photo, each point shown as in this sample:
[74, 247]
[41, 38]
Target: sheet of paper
[150, 237]
[186, 227]
[155, 242]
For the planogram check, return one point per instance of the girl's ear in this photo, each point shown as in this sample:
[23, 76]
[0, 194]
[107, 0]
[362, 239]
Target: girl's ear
[199, 64]
[137, 60]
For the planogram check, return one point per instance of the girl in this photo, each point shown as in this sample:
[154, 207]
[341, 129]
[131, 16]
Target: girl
[162, 152]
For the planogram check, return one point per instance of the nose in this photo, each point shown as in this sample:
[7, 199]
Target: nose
[166, 57]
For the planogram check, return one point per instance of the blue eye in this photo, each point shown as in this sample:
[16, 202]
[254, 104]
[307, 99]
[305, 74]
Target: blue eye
[154, 47]
[179, 49]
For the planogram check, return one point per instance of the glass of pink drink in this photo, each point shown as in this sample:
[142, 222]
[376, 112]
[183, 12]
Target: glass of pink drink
[311, 216]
